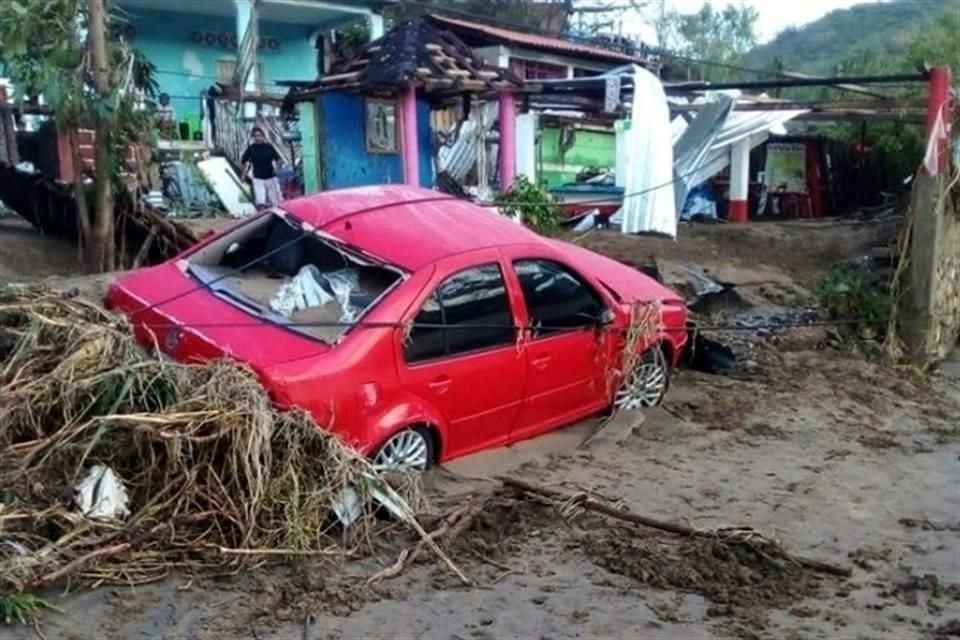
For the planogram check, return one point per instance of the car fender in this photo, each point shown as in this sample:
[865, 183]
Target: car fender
[403, 412]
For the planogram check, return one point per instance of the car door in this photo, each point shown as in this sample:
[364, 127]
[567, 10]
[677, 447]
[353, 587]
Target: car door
[566, 353]
[461, 355]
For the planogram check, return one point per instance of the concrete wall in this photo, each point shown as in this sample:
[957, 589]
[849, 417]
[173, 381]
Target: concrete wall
[186, 66]
[343, 158]
[929, 310]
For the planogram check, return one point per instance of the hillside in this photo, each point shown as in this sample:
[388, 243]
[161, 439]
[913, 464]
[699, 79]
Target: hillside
[882, 27]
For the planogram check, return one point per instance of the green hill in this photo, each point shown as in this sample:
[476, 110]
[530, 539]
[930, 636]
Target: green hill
[884, 28]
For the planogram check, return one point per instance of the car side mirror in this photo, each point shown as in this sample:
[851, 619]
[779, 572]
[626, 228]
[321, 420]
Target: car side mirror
[606, 318]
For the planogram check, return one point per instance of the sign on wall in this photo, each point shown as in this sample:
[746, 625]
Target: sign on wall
[381, 126]
[786, 168]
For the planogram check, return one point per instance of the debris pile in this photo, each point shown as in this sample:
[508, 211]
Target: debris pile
[211, 473]
[737, 568]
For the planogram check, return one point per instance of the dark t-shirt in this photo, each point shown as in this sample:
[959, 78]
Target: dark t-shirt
[261, 155]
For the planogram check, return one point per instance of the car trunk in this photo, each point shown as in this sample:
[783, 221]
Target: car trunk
[266, 291]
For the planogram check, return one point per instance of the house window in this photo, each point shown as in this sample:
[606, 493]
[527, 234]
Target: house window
[534, 70]
[580, 72]
[381, 126]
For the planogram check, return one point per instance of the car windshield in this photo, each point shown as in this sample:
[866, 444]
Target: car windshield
[278, 269]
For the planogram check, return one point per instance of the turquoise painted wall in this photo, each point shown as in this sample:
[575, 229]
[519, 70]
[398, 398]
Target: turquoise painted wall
[344, 160]
[187, 67]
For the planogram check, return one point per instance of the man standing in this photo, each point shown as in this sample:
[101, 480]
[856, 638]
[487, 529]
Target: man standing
[166, 116]
[263, 158]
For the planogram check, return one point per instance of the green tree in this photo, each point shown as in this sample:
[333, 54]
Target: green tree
[710, 35]
[61, 49]
[938, 45]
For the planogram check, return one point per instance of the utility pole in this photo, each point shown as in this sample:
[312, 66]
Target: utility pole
[100, 248]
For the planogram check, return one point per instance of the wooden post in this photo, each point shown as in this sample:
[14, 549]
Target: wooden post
[100, 256]
[8, 133]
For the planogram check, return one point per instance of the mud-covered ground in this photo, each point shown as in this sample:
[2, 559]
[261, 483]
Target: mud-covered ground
[808, 441]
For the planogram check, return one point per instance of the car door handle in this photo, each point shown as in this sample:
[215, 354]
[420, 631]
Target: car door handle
[440, 385]
[541, 361]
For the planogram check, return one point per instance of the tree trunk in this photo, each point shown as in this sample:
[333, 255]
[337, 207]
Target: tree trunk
[101, 248]
[83, 210]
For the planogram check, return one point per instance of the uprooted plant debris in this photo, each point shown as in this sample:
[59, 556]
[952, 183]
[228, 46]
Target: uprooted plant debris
[214, 474]
[736, 568]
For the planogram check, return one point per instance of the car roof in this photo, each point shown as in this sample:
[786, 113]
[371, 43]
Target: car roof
[407, 226]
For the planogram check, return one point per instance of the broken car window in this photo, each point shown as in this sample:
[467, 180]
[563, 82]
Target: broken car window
[556, 298]
[426, 342]
[475, 313]
[276, 269]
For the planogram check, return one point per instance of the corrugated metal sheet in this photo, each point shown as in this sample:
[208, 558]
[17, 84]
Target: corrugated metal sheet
[535, 41]
[755, 125]
[458, 158]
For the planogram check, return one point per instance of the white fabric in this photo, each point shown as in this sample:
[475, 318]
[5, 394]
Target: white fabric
[303, 292]
[266, 193]
[648, 203]
[101, 495]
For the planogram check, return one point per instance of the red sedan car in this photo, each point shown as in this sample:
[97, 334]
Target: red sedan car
[416, 326]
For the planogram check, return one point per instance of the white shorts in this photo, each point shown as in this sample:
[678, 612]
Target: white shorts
[266, 193]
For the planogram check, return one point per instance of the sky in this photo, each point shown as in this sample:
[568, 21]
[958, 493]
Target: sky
[775, 15]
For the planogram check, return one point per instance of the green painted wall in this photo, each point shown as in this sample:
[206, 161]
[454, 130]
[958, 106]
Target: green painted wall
[592, 147]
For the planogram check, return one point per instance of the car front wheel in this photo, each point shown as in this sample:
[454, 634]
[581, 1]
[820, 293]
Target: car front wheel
[407, 450]
[646, 384]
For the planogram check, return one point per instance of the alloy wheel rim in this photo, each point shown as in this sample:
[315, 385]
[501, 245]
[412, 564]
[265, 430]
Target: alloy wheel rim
[645, 388]
[406, 451]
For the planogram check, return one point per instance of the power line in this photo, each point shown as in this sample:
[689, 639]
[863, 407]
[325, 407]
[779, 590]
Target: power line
[534, 329]
[366, 324]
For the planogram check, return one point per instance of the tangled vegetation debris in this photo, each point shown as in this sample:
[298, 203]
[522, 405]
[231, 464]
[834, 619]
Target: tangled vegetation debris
[215, 475]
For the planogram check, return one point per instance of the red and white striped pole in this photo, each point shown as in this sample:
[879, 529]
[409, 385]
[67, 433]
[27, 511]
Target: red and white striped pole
[739, 181]
[938, 106]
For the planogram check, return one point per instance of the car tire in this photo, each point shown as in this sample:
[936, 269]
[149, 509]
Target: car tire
[411, 449]
[647, 383]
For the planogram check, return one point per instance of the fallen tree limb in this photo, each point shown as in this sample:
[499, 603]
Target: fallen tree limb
[634, 518]
[77, 564]
[452, 526]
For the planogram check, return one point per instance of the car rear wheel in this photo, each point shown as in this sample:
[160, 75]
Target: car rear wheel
[646, 384]
[407, 450]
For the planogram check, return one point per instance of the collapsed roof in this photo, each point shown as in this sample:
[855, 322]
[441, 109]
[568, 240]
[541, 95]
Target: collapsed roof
[417, 52]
